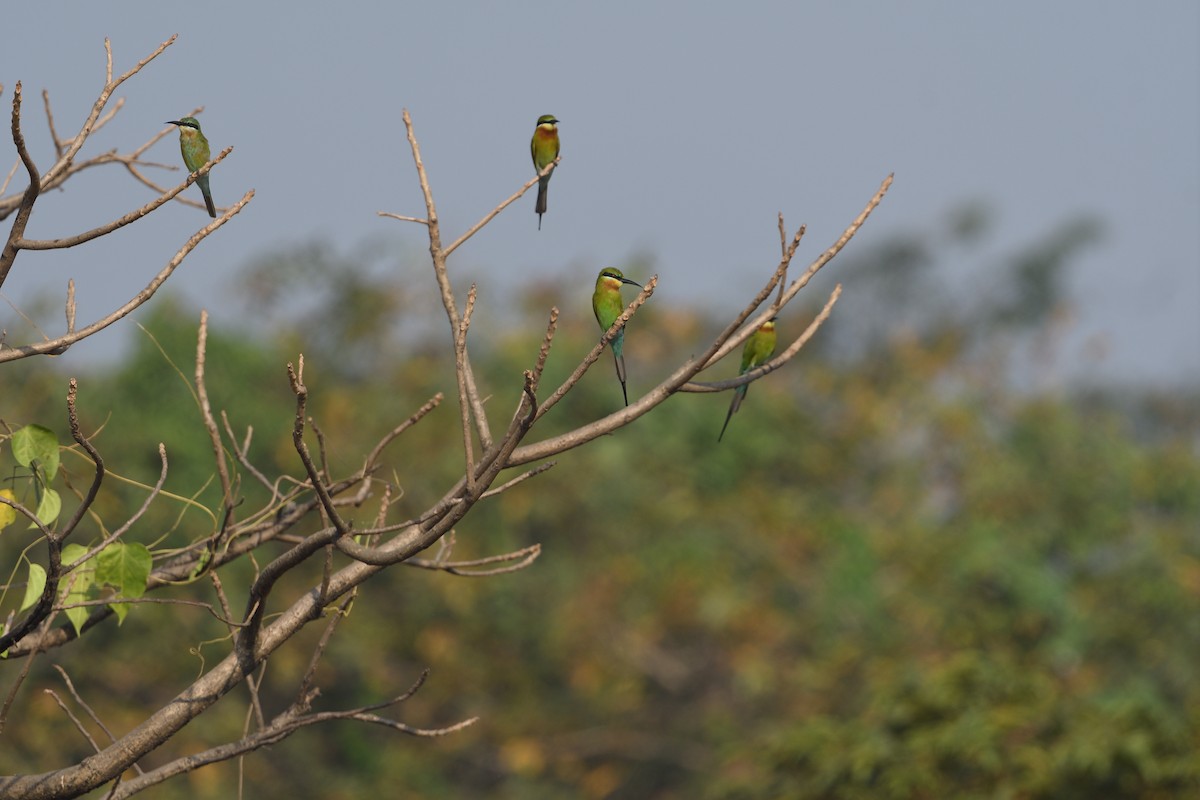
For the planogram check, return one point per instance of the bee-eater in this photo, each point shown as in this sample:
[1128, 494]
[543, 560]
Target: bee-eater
[607, 303]
[195, 151]
[544, 149]
[758, 348]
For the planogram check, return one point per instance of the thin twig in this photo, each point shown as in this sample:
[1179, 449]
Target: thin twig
[242, 454]
[594, 355]
[95, 718]
[488, 217]
[63, 342]
[12, 692]
[161, 601]
[524, 476]
[9, 253]
[391, 435]
[403, 218]
[544, 350]
[58, 147]
[93, 454]
[527, 556]
[129, 523]
[438, 256]
[310, 674]
[282, 726]
[684, 373]
[74, 719]
[210, 423]
[775, 363]
[464, 405]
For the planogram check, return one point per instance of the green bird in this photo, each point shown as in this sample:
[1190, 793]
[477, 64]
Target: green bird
[758, 348]
[607, 304]
[196, 154]
[544, 149]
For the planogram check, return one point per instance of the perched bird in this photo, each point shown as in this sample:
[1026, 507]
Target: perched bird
[607, 303]
[195, 151]
[544, 149]
[758, 348]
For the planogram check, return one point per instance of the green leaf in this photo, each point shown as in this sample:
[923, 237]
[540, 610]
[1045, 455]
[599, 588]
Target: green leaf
[125, 567]
[72, 553]
[8, 514]
[35, 443]
[49, 507]
[81, 581]
[34, 586]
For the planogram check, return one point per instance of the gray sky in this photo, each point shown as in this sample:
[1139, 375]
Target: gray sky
[684, 133]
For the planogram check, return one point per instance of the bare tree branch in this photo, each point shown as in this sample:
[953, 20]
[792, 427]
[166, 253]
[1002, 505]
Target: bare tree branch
[210, 423]
[529, 184]
[60, 344]
[391, 435]
[525, 557]
[724, 344]
[591, 358]
[775, 363]
[9, 253]
[132, 216]
[276, 611]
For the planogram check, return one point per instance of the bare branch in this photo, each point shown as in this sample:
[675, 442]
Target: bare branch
[70, 306]
[58, 145]
[529, 184]
[527, 556]
[74, 719]
[210, 423]
[524, 476]
[52, 177]
[96, 719]
[477, 409]
[93, 454]
[12, 692]
[594, 355]
[8, 179]
[226, 609]
[391, 435]
[401, 727]
[262, 630]
[310, 674]
[462, 367]
[296, 376]
[282, 726]
[776, 362]
[726, 340]
[464, 403]
[786, 257]
[544, 350]
[9, 253]
[242, 453]
[132, 216]
[129, 523]
[63, 342]
[403, 218]
[691, 367]
[67, 163]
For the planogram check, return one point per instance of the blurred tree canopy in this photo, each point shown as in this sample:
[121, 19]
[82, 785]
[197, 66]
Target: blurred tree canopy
[896, 577]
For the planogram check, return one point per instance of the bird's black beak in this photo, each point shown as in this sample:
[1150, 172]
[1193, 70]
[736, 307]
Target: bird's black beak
[631, 283]
[171, 122]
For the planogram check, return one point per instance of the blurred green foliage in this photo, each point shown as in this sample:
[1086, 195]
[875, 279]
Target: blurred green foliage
[897, 577]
